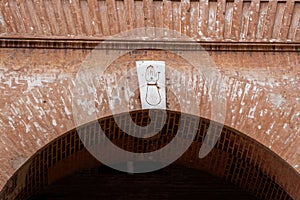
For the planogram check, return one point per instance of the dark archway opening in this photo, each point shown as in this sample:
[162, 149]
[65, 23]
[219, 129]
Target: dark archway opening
[172, 182]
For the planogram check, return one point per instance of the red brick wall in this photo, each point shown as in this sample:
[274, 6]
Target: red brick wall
[261, 93]
[262, 87]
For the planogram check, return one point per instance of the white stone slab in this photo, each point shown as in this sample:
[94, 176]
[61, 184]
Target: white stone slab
[151, 76]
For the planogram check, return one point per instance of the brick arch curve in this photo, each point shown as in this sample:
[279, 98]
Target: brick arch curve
[236, 158]
[46, 108]
[50, 31]
[37, 97]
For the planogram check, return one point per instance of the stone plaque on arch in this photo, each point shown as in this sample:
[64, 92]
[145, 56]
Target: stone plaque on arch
[151, 77]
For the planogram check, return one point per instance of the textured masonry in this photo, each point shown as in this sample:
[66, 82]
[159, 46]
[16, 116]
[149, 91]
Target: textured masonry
[205, 20]
[260, 105]
[254, 45]
[236, 158]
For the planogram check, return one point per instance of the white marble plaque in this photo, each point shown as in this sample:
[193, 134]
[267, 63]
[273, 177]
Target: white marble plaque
[151, 76]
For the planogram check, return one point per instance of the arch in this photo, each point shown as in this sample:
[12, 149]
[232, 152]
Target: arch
[259, 35]
[236, 158]
[39, 100]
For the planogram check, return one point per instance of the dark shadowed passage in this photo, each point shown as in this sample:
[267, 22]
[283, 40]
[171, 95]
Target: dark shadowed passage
[172, 182]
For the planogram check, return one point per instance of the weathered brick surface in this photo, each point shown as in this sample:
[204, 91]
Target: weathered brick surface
[238, 21]
[262, 92]
[261, 88]
[236, 157]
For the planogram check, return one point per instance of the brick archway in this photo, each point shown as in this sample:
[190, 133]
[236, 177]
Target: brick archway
[254, 43]
[236, 158]
[47, 111]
